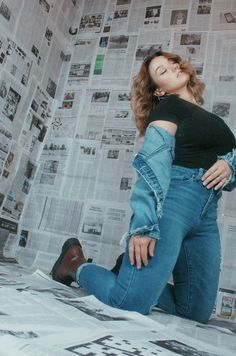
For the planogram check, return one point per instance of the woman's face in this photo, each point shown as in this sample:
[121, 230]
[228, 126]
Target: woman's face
[167, 75]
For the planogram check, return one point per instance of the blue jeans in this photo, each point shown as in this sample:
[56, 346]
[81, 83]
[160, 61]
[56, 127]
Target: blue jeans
[188, 248]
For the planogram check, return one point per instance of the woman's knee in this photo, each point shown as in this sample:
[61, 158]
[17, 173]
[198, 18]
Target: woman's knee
[132, 300]
[200, 314]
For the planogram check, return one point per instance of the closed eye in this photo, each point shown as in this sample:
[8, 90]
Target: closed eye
[163, 72]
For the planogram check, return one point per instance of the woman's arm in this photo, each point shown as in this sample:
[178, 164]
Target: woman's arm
[153, 165]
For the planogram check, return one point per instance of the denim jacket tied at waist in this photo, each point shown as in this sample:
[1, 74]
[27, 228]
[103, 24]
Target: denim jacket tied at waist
[153, 165]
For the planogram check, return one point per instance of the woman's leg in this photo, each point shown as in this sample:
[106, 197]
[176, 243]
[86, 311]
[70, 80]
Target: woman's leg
[139, 290]
[133, 289]
[196, 273]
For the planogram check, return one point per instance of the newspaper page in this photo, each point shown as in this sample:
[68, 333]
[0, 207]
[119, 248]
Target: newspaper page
[33, 41]
[5, 145]
[15, 60]
[228, 253]
[11, 101]
[19, 189]
[93, 16]
[9, 11]
[104, 328]
[58, 313]
[224, 78]
[52, 166]
[80, 67]
[67, 22]
[225, 308]
[36, 124]
[200, 15]
[224, 15]
[65, 118]
[115, 173]
[82, 170]
[103, 224]
[55, 62]
[91, 119]
[10, 168]
[113, 63]
[8, 233]
[144, 15]
[119, 11]
[52, 214]
[192, 46]
[148, 43]
[218, 332]
[213, 63]
[175, 14]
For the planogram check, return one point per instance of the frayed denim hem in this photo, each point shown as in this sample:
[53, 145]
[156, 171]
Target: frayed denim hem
[230, 158]
[148, 231]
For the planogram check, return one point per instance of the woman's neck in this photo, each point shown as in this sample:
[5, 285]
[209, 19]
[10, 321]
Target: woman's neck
[187, 96]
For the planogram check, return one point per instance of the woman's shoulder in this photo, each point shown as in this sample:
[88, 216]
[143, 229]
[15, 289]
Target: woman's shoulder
[169, 103]
[167, 109]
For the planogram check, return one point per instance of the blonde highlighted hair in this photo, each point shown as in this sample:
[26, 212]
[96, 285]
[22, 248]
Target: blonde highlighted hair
[143, 100]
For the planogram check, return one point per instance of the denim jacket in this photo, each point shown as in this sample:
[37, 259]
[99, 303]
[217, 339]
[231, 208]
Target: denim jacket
[153, 166]
[230, 158]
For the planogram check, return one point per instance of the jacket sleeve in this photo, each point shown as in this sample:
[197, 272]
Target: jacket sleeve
[153, 166]
[230, 158]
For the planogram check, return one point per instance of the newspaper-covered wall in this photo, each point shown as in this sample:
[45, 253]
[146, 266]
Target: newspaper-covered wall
[67, 136]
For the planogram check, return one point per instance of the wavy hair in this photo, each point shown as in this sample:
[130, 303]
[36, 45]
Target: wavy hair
[143, 100]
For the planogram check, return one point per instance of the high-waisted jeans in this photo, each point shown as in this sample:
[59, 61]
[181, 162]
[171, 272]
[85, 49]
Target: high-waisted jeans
[188, 248]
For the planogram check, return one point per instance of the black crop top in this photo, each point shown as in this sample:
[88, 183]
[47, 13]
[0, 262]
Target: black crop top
[200, 137]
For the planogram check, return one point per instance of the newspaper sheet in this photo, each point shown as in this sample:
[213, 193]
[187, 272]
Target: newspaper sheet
[65, 118]
[224, 15]
[80, 67]
[192, 46]
[93, 16]
[148, 43]
[12, 96]
[176, 14]
[114, 60]
[144, 15]
[8, 233]
[64, 323]
[35, 43]
[19, 189]
[200, 15]
[9, 11]
[52, 165]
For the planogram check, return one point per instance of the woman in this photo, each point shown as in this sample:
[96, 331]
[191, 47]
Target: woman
[185, 161]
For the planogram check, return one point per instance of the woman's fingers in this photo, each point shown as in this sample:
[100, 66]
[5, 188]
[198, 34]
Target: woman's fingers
[139, 250]
[131, 251]
[151, 247]
[138, 259]
[217, 175]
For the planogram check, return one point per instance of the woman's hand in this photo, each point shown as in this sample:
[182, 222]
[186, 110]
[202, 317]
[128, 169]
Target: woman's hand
[217, 175]
[139, 250]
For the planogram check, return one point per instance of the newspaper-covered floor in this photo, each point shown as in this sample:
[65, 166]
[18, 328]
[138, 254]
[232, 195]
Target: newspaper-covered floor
[42, 317]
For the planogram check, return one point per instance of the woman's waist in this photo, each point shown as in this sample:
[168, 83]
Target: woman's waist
[194, 173]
